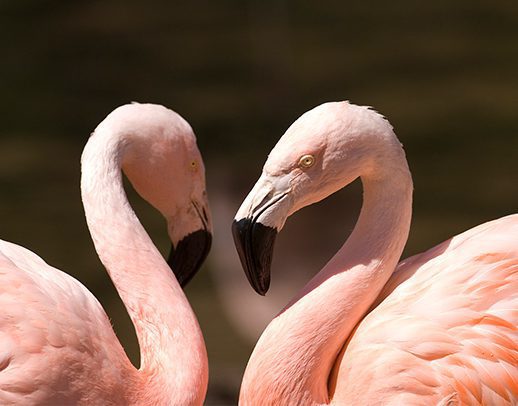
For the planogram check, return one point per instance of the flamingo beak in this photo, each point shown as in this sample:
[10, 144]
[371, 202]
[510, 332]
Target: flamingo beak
[186, 258]
[255, 228]
[254, 243]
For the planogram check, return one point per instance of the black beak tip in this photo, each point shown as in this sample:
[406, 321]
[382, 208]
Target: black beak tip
[189, 254]
[254, 244]
[263, 288]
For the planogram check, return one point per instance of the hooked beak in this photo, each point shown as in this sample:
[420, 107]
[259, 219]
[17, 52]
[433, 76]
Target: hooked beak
[191, 251]
[254, 230]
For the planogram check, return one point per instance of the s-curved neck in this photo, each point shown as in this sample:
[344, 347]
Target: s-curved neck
[300, 346]
[172, 351]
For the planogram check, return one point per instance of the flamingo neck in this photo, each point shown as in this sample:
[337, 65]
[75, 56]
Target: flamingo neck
[295, 355]
[172, 351]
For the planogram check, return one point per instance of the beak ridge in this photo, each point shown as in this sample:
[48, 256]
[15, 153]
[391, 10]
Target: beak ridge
[256, 225]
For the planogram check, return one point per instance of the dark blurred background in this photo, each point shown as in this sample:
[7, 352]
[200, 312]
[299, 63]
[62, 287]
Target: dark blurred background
[444, 73]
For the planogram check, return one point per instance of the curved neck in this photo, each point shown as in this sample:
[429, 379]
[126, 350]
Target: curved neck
[172, 351]
[300, 346]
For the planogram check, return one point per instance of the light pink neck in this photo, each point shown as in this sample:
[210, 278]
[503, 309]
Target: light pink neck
[293, 359]
[173, 357]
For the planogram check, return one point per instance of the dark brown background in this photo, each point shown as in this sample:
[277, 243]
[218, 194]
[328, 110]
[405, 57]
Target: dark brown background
[444, 73]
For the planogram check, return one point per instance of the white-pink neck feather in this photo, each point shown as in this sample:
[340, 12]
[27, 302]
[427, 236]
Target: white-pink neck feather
[174, 366]
[293, 358]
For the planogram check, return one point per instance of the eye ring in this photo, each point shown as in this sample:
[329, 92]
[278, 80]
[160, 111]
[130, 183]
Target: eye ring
[306, 161]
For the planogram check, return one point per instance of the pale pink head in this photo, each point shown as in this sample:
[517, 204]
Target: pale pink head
[158, 153]
[321, 152]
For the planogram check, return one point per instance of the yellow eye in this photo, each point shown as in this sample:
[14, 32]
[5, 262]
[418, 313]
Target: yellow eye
[194, 165]
[306, 161]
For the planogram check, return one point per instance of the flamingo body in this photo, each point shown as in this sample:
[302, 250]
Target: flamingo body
[439, 328]
[54, 331]
[57, 345]
[443, 329]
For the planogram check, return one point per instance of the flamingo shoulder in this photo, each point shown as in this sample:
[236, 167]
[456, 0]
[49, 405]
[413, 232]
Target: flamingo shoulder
[444, 328]
[56, 341]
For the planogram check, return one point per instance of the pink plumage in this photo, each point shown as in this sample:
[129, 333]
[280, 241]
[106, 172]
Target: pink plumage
[57, 346]
[447, 321]
[439, 328]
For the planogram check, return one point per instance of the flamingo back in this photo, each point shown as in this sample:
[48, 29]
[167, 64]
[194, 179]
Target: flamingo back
[444, 328]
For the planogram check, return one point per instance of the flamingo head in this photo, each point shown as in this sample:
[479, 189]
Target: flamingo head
[321, 152]
[162, 161]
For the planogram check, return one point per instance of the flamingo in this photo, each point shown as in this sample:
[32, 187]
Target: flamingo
[439, 328]
[57, 346]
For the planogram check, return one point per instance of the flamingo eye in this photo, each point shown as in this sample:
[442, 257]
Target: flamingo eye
[306, 161]
[194, 165]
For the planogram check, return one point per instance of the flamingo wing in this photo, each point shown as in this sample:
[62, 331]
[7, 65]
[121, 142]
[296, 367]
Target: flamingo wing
[444, 330]
[56, 342]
